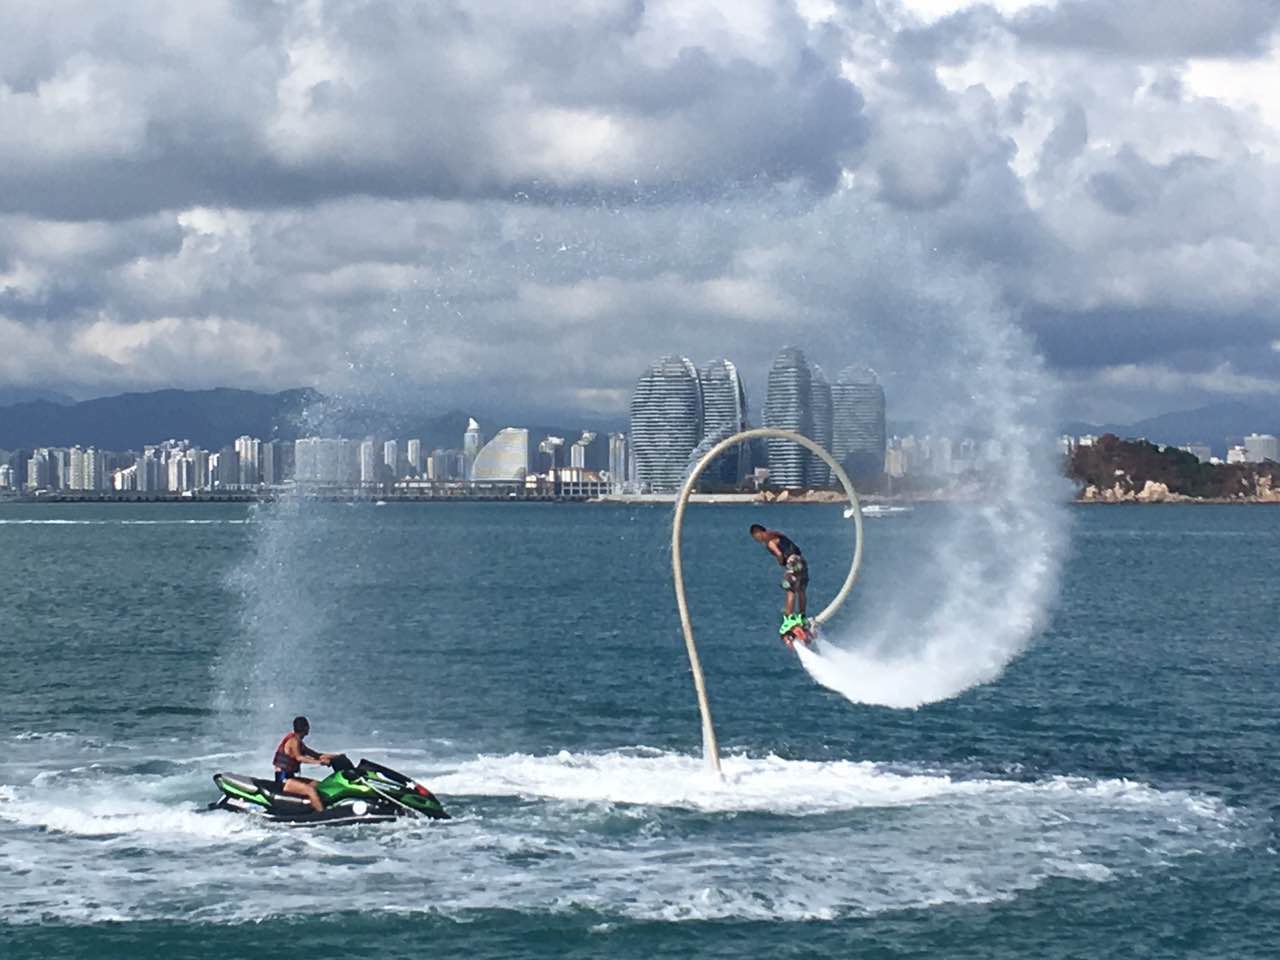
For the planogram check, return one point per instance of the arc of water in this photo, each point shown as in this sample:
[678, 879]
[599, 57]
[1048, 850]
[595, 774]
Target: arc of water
[710, 748]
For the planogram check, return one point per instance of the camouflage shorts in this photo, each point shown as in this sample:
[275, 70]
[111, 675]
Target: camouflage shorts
[796, 576]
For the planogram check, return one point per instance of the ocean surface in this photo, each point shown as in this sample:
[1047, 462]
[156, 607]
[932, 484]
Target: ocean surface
[1112, 794]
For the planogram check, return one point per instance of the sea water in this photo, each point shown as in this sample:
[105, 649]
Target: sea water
[1112, 793]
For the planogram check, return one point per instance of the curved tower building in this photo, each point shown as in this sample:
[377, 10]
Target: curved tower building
[505, 457]
[724, 412]
[820, 403]
[789, 407]
[858, 427]
[666, 422]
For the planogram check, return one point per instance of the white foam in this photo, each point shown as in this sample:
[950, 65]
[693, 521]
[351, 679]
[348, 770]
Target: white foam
[636, 833]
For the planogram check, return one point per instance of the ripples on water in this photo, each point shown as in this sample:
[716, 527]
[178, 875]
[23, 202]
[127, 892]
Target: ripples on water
[524, 663]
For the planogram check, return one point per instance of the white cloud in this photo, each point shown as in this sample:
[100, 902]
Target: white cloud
[320, 192]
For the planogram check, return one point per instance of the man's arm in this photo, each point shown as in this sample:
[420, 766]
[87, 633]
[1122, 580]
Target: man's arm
[304, 754]
[777, 552]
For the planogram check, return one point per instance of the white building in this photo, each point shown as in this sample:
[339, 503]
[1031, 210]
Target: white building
[1260, 447]
[75, 469]
[391, 457]
[1237, 454]
[269, 463]
[38, 470]
[470, 446]
[95, 472]
[326, 461]
[413, 454]
[578, 453]
[618, 461]
[368, 462]
[505, 457]
[249, 450]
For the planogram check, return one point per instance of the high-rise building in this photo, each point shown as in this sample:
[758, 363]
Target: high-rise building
[267, 463]
[369, 460]
[505, 457]
[228, 472]
[858, 440]
[413, 454]
[326, 461]
[470, 446]
[177, 473]
[199, 468]
[95, 469]
[38, 470]
[666, 422]
[75, 469]
[549, 457]
[391, 457]
[724, 413]
[59, 467]
[578, 453]
[819, 474]
[249, 450]
[788, 406]
[1260, 447]
[455, 464]
[618, 472]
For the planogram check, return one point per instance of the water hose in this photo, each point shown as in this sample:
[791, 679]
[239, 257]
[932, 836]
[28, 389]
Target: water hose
[710, 748]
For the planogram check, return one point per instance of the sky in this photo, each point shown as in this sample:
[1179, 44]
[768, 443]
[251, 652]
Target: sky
[520, 205]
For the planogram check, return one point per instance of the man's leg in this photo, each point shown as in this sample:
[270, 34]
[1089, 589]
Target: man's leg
[301, 787]
[801, 600]
[791, 602]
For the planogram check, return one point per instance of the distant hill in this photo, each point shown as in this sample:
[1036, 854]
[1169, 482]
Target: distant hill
[12, 395]
[1214, 424]
[210, 418]
[1112, 469]
[214, 418]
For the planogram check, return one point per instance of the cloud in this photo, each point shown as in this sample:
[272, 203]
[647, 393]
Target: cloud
[1152, 28]
[495, 202]
[126, 109]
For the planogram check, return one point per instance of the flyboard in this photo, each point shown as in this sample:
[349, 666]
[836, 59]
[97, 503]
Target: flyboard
[803, 632]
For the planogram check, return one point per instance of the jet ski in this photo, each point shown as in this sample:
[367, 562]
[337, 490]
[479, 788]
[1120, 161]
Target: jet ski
[365, 792]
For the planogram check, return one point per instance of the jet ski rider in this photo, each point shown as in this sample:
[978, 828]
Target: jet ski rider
[291, 754]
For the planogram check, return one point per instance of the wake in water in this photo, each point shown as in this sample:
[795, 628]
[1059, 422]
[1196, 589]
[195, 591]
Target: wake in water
[638, 833]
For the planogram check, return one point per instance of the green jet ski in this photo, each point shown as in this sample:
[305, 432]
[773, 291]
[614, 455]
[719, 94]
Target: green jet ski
[365, 792]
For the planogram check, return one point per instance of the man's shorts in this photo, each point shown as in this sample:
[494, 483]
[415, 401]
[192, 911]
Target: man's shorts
[796, 576]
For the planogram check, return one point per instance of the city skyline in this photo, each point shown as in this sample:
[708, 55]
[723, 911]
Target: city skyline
[679, 411]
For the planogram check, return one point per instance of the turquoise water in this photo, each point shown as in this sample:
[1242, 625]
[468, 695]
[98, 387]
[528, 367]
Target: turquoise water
[1112, 794]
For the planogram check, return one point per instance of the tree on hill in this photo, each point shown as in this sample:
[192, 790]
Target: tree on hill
[1133, 463]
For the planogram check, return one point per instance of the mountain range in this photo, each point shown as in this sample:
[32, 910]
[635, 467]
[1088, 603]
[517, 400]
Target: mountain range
[214, 418]
[1218, 425]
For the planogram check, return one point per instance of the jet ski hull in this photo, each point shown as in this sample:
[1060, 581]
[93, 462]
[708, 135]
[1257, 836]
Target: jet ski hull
[368, 793]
